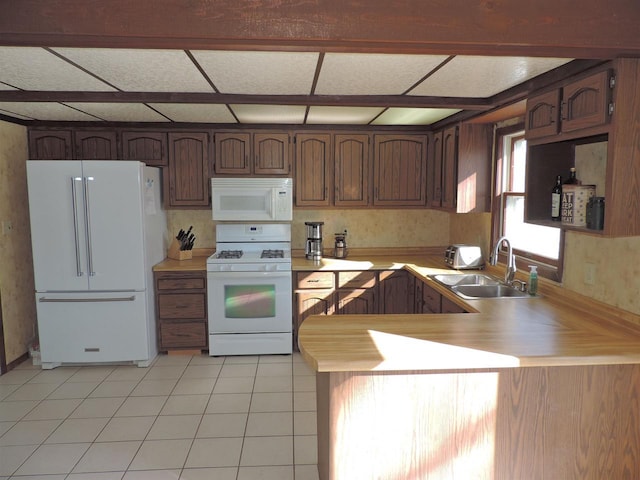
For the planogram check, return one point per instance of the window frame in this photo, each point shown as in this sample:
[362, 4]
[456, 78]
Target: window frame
[548, 269]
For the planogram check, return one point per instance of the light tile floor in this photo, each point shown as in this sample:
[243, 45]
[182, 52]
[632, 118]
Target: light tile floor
[185, 417]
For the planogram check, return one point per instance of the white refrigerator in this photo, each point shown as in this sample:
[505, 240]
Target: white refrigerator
[97, 229]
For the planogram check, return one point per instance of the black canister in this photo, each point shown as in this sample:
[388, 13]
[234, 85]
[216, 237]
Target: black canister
[595, 213]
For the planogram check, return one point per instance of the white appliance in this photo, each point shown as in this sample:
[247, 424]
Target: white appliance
[252, 199]
[97, 229]
[249, 290]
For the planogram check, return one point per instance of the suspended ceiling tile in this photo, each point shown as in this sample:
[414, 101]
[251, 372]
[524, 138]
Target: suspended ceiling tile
[14, 115]
[266, 73]
[413, 116]
[343, 115]
[195, 112]
[4, 86]
[373, 74]
[120, 112]
[30, 68]
[134, 70]
[269, 113]
[46, 111]
[482, 77]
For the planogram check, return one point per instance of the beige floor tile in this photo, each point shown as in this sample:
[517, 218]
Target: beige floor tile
[273, 384]
[120, 388]
[222, 425]
[202, 371]
[29, 433]
[50, 459]
[78, 430]
[234, 385]
[61, 476]
[141, 406]
[305, 449]
[306, 472]
[128, 373]
[163, 360]
[260, 451]
[206, 360]
[304, 383]
[13, 411]
[238, 370]
[214, 452]
[242, 359]
[73, 390]
[4, 426]
[107, 457]
[221, 473]
[194, 386]
[6, 390]
[126, 429]
[304, 401]
[168, 427]
[272, 402]
[185, 405]
[284, 472]
[18, 377]
[275, 359]
[229, 403]
[98, 407]
[152, 475]
[274, 370]
[302, 369]
[161, 454]
[11, 457]
[91, 374]
[154, 388]
[96, 476]
[269, 424]
[32, 391]
[57, 375]
[53, 409]
[305, 423]
[170, 372]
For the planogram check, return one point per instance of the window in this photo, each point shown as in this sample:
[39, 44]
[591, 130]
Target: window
[534, 244]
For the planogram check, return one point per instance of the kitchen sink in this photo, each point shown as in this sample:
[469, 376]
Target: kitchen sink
[472, 292]
[453, 279]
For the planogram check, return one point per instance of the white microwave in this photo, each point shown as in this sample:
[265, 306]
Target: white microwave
[252, 199]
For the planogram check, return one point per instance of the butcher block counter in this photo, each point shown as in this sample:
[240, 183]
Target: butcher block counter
[518, 388]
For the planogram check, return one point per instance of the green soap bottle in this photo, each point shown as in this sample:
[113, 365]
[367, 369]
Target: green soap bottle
[533, 280]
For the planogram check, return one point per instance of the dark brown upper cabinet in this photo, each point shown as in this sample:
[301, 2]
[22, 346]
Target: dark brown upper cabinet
[351, 177]
[96, 145]
[271, 153]
[148, 147]
[188, 172]
[314, 164]
[232, 153]
[50, 144]
[245, 153]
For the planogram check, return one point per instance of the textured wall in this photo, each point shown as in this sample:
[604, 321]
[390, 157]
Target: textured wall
[472, 229]
[16, 267]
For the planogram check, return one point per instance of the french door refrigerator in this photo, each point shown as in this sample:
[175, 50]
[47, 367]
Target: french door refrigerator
[97, 229]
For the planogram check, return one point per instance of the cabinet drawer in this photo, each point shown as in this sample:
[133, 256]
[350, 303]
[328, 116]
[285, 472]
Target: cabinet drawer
[184, 283]
[365, 279]
[431, 300]
[191, 334]
[182, 305]
[315, 280]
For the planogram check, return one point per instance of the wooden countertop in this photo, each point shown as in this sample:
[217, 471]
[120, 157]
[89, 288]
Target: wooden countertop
[197, 263]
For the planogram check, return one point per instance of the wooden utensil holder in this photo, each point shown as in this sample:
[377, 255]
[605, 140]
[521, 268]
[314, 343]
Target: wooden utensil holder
[177, 254]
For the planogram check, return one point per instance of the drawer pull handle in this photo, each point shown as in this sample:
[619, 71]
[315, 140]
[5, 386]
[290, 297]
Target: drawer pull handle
[92, 349]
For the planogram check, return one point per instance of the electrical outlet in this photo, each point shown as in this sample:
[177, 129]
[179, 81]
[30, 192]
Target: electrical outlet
[589, 273]
[6, 227]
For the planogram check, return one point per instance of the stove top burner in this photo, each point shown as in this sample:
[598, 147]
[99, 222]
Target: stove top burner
[272, 254]
[229, 254]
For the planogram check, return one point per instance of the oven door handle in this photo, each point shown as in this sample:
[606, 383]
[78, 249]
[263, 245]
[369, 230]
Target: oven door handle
[258, 276]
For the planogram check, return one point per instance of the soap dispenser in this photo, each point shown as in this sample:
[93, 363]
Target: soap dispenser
[533, 280]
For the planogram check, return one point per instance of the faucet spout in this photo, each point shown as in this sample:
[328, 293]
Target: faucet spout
[510, 271]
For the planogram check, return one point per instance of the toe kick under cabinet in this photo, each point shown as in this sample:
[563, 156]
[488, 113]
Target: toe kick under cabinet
[181, 310]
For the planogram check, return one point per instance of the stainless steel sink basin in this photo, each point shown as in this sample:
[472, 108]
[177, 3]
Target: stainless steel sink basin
[453, 279]
[472, 292]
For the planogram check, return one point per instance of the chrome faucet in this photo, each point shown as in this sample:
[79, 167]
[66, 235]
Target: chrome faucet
[511, 260]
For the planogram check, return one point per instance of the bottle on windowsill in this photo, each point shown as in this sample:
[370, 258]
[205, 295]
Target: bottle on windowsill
[556, 199]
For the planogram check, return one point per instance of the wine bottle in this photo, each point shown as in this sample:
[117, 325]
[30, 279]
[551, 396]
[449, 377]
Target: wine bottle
[556, 199]
[572, 180]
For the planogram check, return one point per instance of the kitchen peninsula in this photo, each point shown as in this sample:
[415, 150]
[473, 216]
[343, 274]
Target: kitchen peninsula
[534, 388]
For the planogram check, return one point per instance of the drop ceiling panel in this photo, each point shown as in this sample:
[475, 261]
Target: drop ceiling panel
[269, 113]
[254, 73]
[120, 112]
[4, 86]
[373, 74]
[46, 111]
[342, 115]
[14, 115]
[413, 116]
[30, 68]
[195, 112]
[133, 70]
[473, 76]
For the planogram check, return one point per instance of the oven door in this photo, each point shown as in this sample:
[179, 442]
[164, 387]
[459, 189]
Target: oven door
[249, 302]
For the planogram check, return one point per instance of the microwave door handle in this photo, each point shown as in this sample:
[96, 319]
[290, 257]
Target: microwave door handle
[76, 231]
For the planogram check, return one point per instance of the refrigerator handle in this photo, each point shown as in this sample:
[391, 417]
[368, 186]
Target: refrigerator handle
[87, 217]
[74, 201]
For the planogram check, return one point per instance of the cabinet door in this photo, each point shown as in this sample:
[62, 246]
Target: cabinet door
[400, 170]
[449, 167]
[396, 292]
[313, 170]
[50, 145]
[450, 307]
[356, 301]
[431, 300]
[233, 153]
[188, 169]
[271, 152]
[96, 145]
[351, 160]
[473, 188]
[312, 302]
[435, 182]
[147, 147]
[542, 117]
[585, 103]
